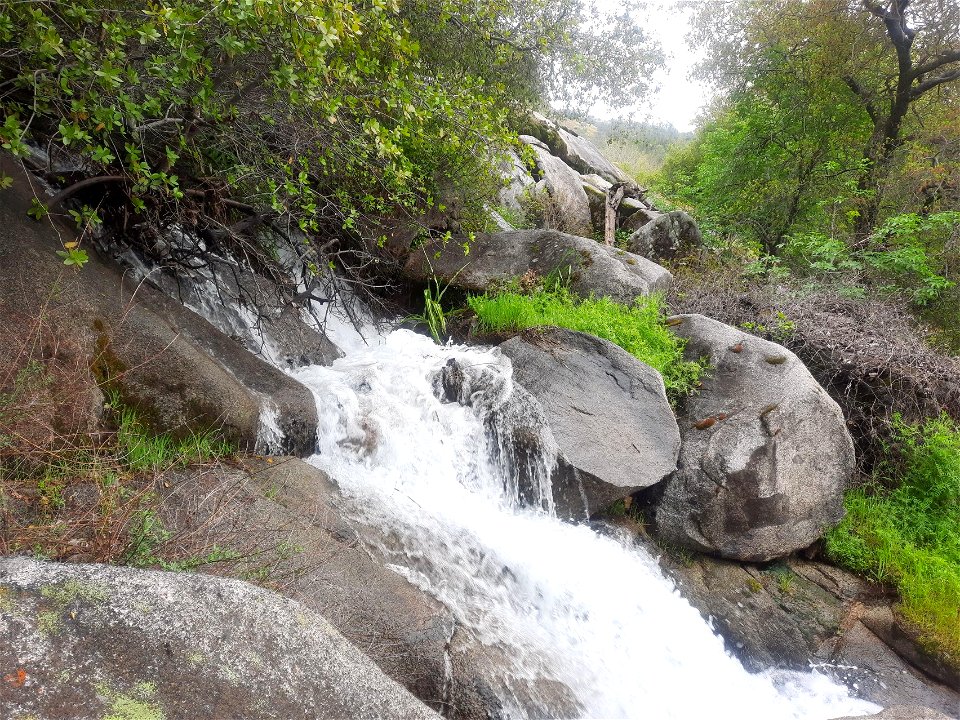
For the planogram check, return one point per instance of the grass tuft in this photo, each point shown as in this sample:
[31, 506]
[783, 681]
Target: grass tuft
[639, 328]
[142, 450]
[905, 530]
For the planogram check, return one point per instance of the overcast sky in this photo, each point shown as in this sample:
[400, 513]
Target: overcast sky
[679, 100]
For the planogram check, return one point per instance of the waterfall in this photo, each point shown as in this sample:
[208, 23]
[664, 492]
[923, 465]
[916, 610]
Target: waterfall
[441, 491]
[425, 477]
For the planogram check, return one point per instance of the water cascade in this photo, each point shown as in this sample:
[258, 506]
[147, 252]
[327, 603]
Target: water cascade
[563, 602]
[582, 623]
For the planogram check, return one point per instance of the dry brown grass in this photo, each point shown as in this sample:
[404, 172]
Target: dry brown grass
[68, 487]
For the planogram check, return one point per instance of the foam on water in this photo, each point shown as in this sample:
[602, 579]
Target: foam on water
[560, 601]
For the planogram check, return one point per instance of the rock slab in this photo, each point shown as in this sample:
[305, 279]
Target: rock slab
[91, 641]
[765, 457]
[593, 268]
[180, 371]
[607, 410]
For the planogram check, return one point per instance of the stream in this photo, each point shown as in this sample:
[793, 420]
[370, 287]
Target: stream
[582, 623]
[564, 602]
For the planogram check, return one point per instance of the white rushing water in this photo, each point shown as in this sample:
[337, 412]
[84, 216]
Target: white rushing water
[560, 601]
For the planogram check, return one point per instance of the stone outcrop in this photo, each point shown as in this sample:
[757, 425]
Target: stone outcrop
[665, 235]
[181, 372]
[765, 455]
[569, 189]
[92, 641]
[607, 410]
[629, 211]
[565, 203]
[593, 268]
[576, 151]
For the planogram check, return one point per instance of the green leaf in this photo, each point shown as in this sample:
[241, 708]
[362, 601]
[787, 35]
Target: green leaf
[73, 257]
[37, 210]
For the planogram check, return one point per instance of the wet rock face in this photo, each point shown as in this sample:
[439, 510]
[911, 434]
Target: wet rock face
[181, 372]
[233, 298]
[521, 441]
[794, 613]
[593, 267]
[607, 410]
[91, 641]
[287, 522]
[765, 456]
[905, 712]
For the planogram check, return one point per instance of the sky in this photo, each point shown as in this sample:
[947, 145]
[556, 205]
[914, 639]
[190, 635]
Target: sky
[679, 100]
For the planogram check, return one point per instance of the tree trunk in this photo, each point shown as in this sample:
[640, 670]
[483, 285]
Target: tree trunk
[913, 81]
[614, 198]
[878, 157]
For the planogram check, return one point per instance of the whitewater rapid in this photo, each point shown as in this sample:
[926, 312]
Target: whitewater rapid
[560, 601]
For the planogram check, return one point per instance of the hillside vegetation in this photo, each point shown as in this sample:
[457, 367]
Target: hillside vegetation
[826, 179]
[334, 124]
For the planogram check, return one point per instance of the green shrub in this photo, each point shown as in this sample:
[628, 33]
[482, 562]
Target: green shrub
[639, 328]
[905, 530]
[819, 252]
[323, 111]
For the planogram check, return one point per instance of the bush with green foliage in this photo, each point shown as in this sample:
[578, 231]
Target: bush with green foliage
[827, 147]
[320, 110]
[339, 119]
[639, 328]
[905, 530]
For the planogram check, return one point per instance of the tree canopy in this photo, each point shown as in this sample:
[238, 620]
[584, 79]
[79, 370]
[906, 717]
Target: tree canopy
[326, 116]
[829, 111]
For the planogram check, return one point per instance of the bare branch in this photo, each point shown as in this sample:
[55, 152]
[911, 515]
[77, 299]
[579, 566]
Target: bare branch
[937, 62]
[861, 92]
[68, 192]
[933, 82]
[159, 123]
[876, 9]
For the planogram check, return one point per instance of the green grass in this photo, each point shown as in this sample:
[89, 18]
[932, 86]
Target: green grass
[905, 530]
[142, 450]
[639, 329]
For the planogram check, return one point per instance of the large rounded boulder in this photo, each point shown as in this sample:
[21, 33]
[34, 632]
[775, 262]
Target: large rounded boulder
[608, 412]
[96, 641]
[665, 236]
[765, 454]
[493, 259]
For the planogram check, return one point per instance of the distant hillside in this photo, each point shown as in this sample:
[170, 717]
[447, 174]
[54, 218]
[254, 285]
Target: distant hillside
[638, 148]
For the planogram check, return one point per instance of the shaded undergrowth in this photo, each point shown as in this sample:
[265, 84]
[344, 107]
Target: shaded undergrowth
[79, 474]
